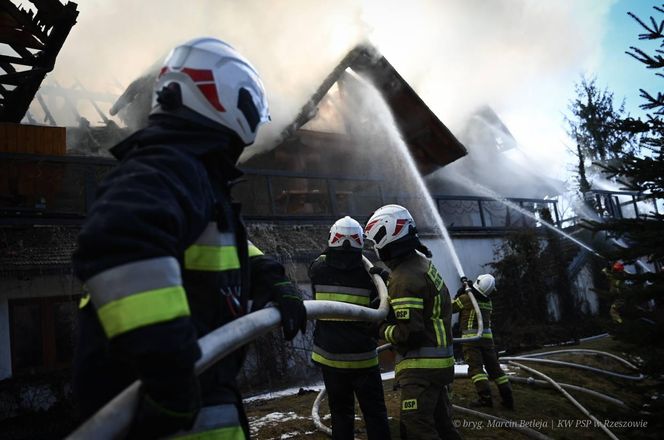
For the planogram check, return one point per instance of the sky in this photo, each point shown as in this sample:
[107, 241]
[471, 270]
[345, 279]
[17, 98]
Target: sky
[522, 57]
[620, 72]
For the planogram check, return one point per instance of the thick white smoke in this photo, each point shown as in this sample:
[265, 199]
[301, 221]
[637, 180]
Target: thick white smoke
[520, 56]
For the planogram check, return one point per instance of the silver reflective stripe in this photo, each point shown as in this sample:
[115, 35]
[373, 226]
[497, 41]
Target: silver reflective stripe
[342, 289]
[427, 352]
[128, 279]
[345, 356]
[212, 237]
[218, 416]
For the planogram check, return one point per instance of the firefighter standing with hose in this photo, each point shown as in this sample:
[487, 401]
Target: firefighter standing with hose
[164, 255]
[483, 352]
[418, 326]
[346, 350]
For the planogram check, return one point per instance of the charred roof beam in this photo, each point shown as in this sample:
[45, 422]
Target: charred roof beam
[44, 33]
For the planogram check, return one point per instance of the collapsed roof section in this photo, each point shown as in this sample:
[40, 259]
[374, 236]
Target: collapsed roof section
[35, 39]
[430, 142]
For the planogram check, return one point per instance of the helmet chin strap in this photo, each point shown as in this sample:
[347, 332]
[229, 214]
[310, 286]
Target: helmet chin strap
[401, 247]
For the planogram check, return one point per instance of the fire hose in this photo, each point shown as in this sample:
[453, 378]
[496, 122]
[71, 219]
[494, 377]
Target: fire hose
[530, 381]
[113, 420]
[523, 429]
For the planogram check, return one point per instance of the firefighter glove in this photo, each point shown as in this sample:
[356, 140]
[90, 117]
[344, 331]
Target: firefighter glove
[166, 413]
[384, 274]
[293, 312]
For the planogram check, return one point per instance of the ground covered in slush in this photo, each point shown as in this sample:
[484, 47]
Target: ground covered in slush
[545, 410]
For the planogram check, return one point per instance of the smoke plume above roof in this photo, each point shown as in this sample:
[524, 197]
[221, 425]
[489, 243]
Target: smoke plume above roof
[457, 54]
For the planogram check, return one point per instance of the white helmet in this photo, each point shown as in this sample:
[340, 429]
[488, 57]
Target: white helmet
[388, 224]
[485, 284]
[218, 83]
[346, 230]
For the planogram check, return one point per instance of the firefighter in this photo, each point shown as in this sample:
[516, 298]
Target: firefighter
[418, 325]
[616, 278]
[164, 255]
[483, 352]
[346, 350]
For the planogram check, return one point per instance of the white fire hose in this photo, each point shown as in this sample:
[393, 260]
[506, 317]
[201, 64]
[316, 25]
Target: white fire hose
[480, 328]
[503, 422]
[113, 420]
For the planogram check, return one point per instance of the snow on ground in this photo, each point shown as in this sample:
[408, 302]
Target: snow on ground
[257, 423]
[460, 370]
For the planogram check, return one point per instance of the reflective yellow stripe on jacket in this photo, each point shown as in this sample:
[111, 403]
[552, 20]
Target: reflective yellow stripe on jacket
[137, 294]
[345, 360]
[351, 295]
[486, 333]
[407, 302]
[254, 251]
[426, 357]
[212, 251]
[438, 325]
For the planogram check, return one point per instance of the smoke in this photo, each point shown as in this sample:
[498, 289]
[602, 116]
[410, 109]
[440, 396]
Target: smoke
[457, 54]
[293, 46]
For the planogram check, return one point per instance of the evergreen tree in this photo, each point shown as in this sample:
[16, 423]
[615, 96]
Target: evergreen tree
[592, 126]
[642, 295]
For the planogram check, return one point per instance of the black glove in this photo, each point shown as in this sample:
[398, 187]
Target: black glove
[464, 280]
[168, 412]
[293, 312]
[384, 274]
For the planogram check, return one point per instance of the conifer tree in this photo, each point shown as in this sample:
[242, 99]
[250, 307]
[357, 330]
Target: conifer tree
[641, 297]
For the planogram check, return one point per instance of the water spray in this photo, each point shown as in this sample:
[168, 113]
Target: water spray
[490, 193]
[395, 136]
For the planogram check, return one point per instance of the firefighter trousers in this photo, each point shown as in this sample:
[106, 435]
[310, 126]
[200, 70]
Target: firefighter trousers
[342, 386]
[426, 411]
[484, 355]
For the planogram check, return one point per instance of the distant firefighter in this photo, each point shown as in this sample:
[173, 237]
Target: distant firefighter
[418, 326]
[346, 350]
[164, 255]
[616, 278]
[479, 354]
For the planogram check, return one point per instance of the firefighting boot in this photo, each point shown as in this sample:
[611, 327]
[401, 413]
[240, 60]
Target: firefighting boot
[506, 395]
[484, 400]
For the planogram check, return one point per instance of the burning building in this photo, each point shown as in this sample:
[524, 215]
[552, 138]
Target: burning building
[344, 154]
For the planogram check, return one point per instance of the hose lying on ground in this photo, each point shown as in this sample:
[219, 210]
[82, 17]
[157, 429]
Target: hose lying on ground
[545, 384]
[628, 364]
[504, 423]
[572, 365]
[569, 397]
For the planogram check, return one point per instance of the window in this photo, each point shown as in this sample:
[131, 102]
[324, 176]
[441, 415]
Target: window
[358, 198]
[300, 196]
[460, 213]
[42, 333]
[253, 193]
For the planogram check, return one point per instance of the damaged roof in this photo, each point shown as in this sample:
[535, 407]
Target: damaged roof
[36, 38]
[430, 142]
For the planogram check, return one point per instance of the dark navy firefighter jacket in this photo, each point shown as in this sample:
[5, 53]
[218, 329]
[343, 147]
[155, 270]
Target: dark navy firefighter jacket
[338, 275]
[165, 259]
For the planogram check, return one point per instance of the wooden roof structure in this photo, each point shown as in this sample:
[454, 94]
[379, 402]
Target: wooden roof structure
[430, 142]
[36, 39]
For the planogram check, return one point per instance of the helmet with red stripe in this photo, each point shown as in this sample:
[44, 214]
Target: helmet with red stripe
[216, 83]
[389, 224]
[346, 230]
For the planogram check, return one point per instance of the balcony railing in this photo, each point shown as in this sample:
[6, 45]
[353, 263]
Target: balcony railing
[59, 190]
